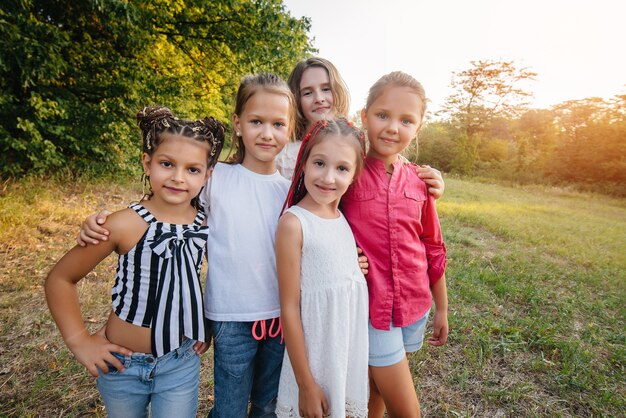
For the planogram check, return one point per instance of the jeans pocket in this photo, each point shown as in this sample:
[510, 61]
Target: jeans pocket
[217, 329]
[189, 352]
[123, 359]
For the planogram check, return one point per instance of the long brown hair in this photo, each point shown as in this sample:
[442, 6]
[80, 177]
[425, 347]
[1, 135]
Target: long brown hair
[341, 95]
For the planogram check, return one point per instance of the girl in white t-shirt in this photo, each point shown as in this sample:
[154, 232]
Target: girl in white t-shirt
[243, 201]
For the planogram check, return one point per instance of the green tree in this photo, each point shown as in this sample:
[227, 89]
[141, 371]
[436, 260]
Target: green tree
[592, 143]
[436, 146]
[73, 73]
[487, 90]
[484, 100]
[536, 135]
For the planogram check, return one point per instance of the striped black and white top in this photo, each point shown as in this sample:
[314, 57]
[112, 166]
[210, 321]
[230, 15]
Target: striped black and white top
[157, 282]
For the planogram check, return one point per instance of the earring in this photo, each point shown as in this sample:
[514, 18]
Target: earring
[238, 133]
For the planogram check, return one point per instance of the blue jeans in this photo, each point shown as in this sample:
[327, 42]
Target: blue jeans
[244, 368]
[169, 382]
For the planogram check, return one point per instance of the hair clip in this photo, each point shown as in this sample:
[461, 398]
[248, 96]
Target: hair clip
[165, 123]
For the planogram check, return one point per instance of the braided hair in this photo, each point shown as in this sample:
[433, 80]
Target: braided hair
[156, 120]
[341, 127]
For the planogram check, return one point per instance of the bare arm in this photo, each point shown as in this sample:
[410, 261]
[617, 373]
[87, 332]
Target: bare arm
[440, 320]
[93, 351]
[312, 401]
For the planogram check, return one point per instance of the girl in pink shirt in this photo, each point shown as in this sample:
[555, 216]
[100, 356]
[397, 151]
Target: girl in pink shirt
[394, 221]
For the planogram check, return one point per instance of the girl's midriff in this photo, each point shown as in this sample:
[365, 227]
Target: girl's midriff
[127, 335]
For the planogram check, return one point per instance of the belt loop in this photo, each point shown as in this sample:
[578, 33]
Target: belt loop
[179, 350]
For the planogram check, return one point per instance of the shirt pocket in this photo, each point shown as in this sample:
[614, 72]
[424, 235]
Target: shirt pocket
[364, 201]
[414, 201]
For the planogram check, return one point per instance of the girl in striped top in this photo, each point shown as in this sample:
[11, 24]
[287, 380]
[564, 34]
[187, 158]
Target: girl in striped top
[147, 352]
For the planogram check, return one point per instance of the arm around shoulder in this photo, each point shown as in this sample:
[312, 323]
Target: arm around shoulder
[433, 179]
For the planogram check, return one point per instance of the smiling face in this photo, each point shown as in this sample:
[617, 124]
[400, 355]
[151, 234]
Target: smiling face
[178, 169]
[328, 172]
[264, 129]
[392, 121]
[316, 95]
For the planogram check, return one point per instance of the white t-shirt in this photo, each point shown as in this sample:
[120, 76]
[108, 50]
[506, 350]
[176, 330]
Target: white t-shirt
[242, 208]
[286, 159]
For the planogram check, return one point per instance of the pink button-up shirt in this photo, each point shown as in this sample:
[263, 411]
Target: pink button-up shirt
[395, 222]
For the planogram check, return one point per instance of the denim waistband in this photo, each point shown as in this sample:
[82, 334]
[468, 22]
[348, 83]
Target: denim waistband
[185, 346]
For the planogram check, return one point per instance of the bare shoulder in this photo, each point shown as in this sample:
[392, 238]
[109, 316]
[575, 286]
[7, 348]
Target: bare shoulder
[289, 228]
[126, 228]
[289, 223]
[122, 219]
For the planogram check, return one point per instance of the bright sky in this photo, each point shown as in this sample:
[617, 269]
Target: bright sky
[577, 47]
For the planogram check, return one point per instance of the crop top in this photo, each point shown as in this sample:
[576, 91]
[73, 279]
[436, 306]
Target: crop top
[157, 282]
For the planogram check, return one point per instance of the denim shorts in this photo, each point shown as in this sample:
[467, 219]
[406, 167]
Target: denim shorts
[170, 383]
[388, 347]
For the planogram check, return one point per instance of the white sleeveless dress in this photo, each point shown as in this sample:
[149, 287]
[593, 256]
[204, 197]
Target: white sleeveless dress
[334, 310]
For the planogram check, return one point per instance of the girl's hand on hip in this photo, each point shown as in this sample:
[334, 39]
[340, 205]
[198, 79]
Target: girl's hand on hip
[312, 402]
[91, 232]
[200, 347]
[95, 352]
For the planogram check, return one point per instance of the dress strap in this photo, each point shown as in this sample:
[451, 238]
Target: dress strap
[199, 218]
[143, 212]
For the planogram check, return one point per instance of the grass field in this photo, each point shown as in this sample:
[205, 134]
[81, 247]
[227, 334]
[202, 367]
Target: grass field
[536, 282]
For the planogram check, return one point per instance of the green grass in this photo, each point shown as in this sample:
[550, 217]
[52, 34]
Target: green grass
[536, 286]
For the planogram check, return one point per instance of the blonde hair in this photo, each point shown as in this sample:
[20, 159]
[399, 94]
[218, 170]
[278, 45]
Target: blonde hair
[398, 79]
[341, 95]
[248, 87]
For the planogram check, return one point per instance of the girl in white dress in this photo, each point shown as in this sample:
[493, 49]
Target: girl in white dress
[323, 294]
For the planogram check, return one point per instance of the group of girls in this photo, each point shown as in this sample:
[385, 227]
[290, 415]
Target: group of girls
[282, 258]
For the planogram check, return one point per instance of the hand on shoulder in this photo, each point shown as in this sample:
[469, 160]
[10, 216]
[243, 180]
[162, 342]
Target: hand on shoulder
[125, 228]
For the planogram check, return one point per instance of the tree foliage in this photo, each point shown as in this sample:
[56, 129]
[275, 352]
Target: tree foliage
[489, 131]
[73, 73]
[487, 90]
[576, 142]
